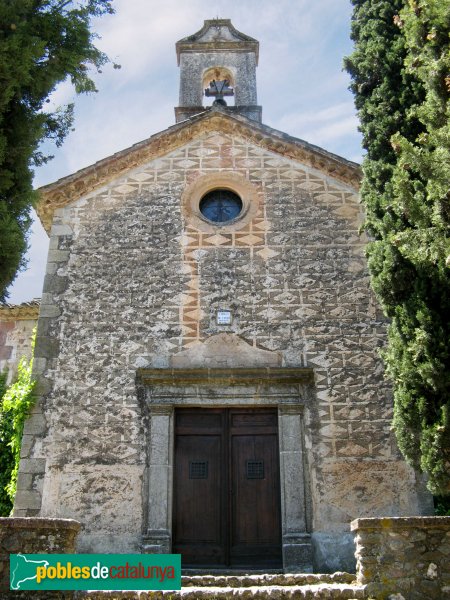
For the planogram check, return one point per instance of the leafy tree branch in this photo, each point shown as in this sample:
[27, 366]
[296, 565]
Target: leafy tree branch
[42, 43]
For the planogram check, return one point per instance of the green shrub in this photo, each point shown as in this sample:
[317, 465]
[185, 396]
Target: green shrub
[16, 402]
[6, 454]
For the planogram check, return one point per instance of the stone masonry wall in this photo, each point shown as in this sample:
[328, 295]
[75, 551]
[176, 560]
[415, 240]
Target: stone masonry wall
[131, 280]
[404, 558]
[16, 329]
[34, 536]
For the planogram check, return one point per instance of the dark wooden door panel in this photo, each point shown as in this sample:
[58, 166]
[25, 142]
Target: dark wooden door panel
[226, 487]
[199, 491]
[255, 515]
[198, 505]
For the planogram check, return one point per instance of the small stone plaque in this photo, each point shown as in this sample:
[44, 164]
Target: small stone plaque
[224, 317]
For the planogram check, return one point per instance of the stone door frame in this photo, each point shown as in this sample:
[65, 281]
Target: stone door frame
[163, 390]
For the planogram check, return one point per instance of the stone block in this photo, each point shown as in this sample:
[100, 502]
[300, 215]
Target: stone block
[55, 283]
[27, 499]
[156, 542]
[52, 268]
[26, 446]
[50, 310]
[159, 445]
[297, 555]
[58, 256]
[90, 487]
[293, 491]
[159, 507]
[290, 432]
[43, 385]
[32, 465]
[35, 425]
[333, 552]
[24, 481]
[61, 229]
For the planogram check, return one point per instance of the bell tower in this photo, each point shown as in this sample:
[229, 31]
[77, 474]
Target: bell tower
[220, 62]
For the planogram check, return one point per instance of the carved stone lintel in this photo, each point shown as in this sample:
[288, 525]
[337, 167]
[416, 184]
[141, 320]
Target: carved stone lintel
[231, 377]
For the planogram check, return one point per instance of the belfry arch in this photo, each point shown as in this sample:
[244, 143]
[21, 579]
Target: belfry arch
[222, 74]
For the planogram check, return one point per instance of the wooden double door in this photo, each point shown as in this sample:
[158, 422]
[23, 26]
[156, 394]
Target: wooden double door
[226, 488]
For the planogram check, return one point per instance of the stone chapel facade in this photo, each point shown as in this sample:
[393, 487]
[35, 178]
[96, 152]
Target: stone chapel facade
[207, 348]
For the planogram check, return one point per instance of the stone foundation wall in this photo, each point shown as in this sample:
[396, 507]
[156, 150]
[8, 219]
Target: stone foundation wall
[34, 536]
[404, 558]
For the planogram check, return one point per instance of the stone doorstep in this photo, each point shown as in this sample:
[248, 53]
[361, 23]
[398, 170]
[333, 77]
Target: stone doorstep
[320, 591]
[335, 586]
[264, 579]
[325, 591]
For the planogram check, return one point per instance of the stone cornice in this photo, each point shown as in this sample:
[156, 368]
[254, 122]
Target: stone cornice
[226, 46]
[85, 181]
[240, 42]
[229, 377]
[28, 311]
[39, 524]
[387, 524]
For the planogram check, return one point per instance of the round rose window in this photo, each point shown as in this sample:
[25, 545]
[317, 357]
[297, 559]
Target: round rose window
[220, 206]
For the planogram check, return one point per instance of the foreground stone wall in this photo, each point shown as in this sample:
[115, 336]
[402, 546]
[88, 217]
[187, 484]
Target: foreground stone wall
[34, 536]
[398, 559]
[404, 558]
[134, 277]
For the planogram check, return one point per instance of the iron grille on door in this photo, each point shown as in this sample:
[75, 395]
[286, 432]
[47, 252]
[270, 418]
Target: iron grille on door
[255, 469]
[198, 469]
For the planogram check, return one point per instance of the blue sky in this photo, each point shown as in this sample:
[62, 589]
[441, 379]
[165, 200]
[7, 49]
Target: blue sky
[301, 85]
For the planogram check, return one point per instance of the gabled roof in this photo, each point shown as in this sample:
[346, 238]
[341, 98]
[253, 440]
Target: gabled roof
[216, 118]
[217, 35]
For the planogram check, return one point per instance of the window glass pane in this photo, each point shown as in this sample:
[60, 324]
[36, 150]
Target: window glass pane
[220, 206]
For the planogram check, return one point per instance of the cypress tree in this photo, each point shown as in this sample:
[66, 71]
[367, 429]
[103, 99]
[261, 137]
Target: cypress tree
[398, 71]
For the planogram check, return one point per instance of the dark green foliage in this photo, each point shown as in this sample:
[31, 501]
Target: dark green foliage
[6, 454]
[42, 42]
[442, 506]
[399, 71]
[383, 93]
[15, 406]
